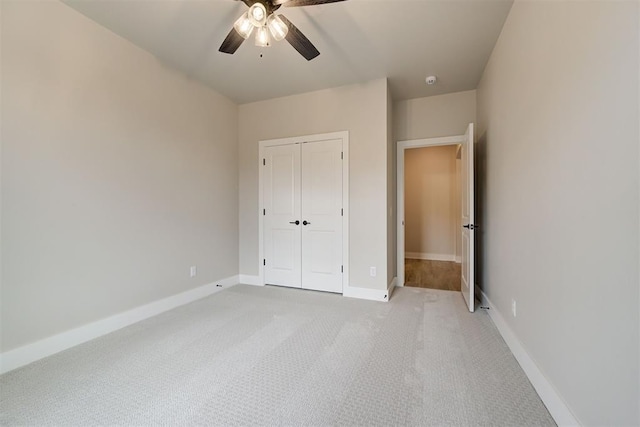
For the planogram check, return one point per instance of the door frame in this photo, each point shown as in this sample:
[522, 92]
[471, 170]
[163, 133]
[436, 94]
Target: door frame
[344, 136]
[401, 147]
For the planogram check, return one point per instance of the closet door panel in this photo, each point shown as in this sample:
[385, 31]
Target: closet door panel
[281, 193]
[322, 215]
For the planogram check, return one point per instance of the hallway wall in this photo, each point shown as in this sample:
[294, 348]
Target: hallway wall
[432, 204]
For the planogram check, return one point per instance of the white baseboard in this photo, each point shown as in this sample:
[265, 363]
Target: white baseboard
[458, 259]
[365, 293]
[246, 279]
[552, 400]
[29, 353]
[429, 256]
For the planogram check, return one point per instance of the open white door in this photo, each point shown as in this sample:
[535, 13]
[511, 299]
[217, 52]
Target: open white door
[468, 280]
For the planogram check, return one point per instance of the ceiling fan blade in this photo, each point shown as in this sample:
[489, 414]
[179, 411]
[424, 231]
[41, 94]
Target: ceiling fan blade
[232, 42]
[297, 3]
[249, 2]
[299, 41]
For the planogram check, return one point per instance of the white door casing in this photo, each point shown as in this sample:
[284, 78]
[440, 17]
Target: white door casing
[467, 285]
[281, 209]
[322, 215]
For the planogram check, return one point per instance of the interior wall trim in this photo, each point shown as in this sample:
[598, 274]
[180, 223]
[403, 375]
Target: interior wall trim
[29, 353]
[547, 392]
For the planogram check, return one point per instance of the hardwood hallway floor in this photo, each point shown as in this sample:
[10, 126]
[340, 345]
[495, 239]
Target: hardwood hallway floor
[445, 275]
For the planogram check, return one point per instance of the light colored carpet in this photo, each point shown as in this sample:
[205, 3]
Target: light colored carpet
[277, 356]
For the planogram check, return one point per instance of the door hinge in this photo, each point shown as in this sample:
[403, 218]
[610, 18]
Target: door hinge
[264, 162]
[342, 212]
[342, 155]
[264, 212]
[342, 269]
[264, 262]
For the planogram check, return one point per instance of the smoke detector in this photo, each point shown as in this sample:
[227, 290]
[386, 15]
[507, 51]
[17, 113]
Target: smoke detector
[431, 80]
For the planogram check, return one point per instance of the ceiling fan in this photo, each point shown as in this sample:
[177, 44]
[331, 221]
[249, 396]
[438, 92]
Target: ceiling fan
[261, 16]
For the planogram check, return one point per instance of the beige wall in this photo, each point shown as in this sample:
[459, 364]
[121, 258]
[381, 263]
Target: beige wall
[434, 116]
[558, 152]
[359, 109]
[117, 175]
[432, 208]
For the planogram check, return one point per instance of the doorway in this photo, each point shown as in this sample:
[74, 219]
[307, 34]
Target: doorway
[432, 198]
[466, 210]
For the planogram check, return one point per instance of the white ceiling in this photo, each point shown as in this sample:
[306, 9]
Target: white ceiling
[358, 40]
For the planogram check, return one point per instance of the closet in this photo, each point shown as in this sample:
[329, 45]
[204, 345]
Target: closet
[302, 209]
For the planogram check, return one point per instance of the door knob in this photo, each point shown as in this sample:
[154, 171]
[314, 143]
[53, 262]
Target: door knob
[306, 223]
[296, 222]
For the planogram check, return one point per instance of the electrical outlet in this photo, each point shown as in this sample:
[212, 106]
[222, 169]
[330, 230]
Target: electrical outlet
[372, 271]
[513, 307]
[193, 271]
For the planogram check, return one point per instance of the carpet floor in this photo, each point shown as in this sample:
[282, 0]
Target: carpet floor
[278, 356]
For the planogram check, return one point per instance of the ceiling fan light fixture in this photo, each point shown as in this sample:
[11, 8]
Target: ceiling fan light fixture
[244, 26]
[269, 26]
[277, 27]
[258, 14]
[262, 37]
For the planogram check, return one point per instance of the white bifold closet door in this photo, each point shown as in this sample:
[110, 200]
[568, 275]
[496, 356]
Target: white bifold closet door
[303, 215]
